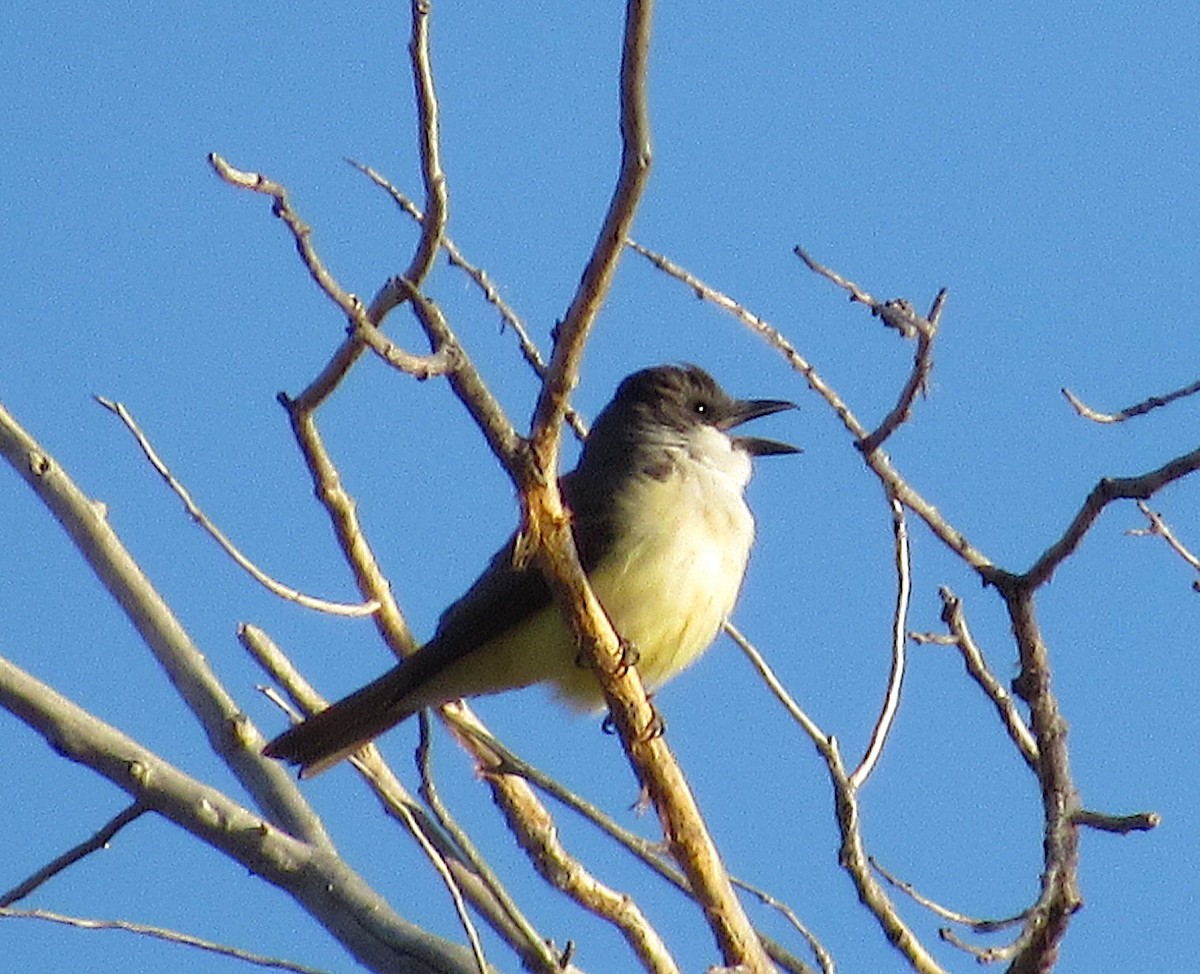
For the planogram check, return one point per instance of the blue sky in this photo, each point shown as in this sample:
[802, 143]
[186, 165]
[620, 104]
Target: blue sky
[1041, 165]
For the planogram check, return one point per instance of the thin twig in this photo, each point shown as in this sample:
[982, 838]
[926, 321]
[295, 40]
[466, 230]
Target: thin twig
[1118, 824]
[896, 313]
[761, 327]
[960, 635]
[820, 952]
[485, 892]
[1138, 409]
[877, 460]
[356, 609]
[342, 510]
[891, 702]
[229, 732]
[918, 378]
[853, 855]
[100, 840]
[978, 924]
[161, 933]
[470, 851]
[773, 683]
[491, 293]
[651, 854]
[311, 873]
[1160, 527]
[542, 843]
[1104, 493]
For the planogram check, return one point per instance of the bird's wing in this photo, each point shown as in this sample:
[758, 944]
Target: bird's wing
[504, 596]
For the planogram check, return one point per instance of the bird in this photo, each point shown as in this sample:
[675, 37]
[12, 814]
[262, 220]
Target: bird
[663, 531]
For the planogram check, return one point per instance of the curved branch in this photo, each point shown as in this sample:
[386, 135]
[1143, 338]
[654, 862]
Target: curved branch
[312, 874]
[230, 732]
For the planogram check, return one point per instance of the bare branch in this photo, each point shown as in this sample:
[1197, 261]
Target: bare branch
[1104, 493]
[1118, 824]
[343, 515]
[978, 924]
[99, 840]
[896, 313]
[891, 702]
[229, 731]
[161, 933]
[960, 635]
[823, 956]
[760, 327]
[533, 942]
[197, 515]
[540, 839]
[853, 856]
[480, 885]
[571, 334]
[1159, 527]
[312, 874]
[918, 379]
[508, 315]
[1036, 949]
[876, 459]
[1138, 409]
[768, 676]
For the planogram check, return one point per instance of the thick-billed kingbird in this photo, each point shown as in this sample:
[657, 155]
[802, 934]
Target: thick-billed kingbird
[663, 533]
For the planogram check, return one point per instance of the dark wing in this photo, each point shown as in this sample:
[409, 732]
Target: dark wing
[500, 599]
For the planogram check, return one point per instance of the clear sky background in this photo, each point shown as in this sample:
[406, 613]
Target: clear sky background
[1040, 162]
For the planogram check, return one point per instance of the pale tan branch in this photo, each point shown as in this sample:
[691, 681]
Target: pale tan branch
[636, 154]
[758, 661]
[548, 530]
[94, 843]
[230, 733]
[533, 942]
[470, 874]
[429, 141]
[1138, 409]
[876, 459]
[1037, 947]
[651, 854]
[352, 307]
[270, 584]
[891, 701]
[540, 839]
[311, 873]
[491, 293]
[342, 511]
[896, 313]
[363, 321]
[853, 855]
[918, 379]
[760, 327]
[820, 952]
[161, 933]
[467, 384]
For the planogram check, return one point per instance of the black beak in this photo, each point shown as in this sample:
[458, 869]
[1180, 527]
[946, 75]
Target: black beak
[745, 410]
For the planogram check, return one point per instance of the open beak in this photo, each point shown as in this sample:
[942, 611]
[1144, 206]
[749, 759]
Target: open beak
[748, 409]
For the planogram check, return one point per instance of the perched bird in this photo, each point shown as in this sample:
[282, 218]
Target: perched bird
[663, 533]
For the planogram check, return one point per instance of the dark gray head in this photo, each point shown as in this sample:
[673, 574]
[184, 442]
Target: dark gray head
[672, 401]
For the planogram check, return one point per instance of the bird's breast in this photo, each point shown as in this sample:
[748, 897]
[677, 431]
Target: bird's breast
[672, 572]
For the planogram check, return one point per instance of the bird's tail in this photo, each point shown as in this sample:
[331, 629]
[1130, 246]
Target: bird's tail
[325, 738]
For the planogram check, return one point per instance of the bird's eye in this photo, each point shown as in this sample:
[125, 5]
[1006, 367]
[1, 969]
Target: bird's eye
[700, 407]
